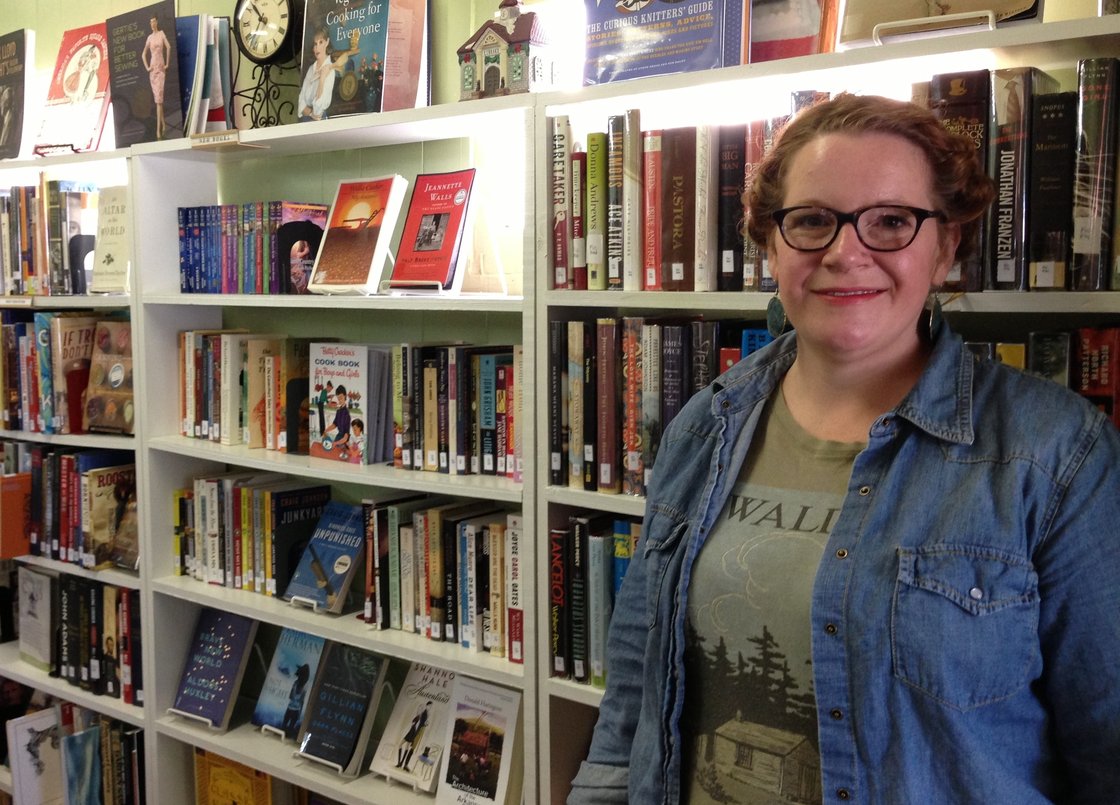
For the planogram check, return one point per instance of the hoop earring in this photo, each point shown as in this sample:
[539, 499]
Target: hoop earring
[932, 319]
[776, 321]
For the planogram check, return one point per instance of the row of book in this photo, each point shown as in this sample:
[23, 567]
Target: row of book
[83, 631]
[615, 383]
[662, 209]
[451, 408]
[62, 752]
[449, 570]
[587, 561]
[215, 776]
[275, 247]
[66, 372]
[78, 505]
[329, 697]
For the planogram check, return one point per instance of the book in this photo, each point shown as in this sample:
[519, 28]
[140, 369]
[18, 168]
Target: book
[1053, 149]
[705, 220]
[1013, 93]
[729, 212]
[112, 251]
[37, 617]
[600, 600]
[633, 363]
[608, 383]
[345, 74]
[71, 355]
[629, 40]
[81, 766]
[480, 740]
[221, 781]
[283, 696]
[407, 63]
[631, 200]
[613, 219]
[559, 586]
[216, 660]
[783, 30]
[412, 745]
[109, 513]
[35, 757]
[77, 100]
[331, 560]
[342, 707]
[144, 74]
[360, 227]
[108, 405]
[298, 235]
[595, 211]
[579, 217]
[432, 252]
[17, 85]
[560, 150]
[350, 389]
[1094, 185]
[962, 102]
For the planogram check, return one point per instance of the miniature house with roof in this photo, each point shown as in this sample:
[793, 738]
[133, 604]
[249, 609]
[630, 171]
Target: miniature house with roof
[508, 54]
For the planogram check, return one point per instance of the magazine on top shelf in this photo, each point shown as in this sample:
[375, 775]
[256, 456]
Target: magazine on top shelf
[144, 74]
[78, 96]
[359, 230]
[433, 247]
[17, 82]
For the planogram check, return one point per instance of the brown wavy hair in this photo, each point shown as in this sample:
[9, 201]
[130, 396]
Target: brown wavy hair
[960, 184]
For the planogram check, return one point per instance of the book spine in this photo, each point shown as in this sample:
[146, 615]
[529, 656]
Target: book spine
[468, 585]
[488, 413]
[631, 201]
[434, 558]
[614, 217]
[609, 437]
[672, 372]
[678, 204]
[443, 400]
[1012, 101]
[600, 550]
[650, 423]
[754, 149]
[561, 151]
[431, 414]
[557, 406]
[579, 218]
[450, 570]
[407, 578]
[623, 550]
[1098, 86]
[501, 417]
[706, 210]
[464, 391]
[1052, 142]
[511, 578]
[651, 210]
[576, 412]
[559, 615]
[704, 353]
[632, 364]
[595, 214]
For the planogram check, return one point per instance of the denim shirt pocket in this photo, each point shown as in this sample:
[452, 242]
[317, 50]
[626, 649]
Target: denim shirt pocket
[664, 531]
[964, 625]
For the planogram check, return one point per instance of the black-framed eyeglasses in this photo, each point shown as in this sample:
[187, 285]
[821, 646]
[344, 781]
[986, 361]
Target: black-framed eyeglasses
[882, 228]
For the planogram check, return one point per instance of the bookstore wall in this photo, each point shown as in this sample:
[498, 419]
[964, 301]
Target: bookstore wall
[322, 535]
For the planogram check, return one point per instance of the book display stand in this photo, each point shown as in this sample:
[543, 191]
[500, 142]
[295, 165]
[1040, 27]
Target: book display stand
[193, 717]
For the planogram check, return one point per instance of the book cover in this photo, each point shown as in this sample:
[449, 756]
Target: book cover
[575, 397]
[1012, 104]
[559, 591]
[1048, 355]
[144, 74]
[1098, 88]
[412, 746]
[637, 39]
[608, 382]
[632, 362]
[341, 708]
[108, 398]
[37, 617]
[632, 200]
[78, 94]
[216, 660]
[1053, 150]
[558, 408]
[407, 62]
[600, 599]
[360, 227]
[291, 672]
[613, 219]
[349, 386]
[294, 510]
[81, 765]
[112, 245]
[705, 217]
[480, 740]
[579, 217]
[35, 757]
[221, 781]
[331, 560]
[343, 59]
[962, 102]
[430, 254]
[651, 210]
[560, 150]
[109, 519]
[71, 354]
[298, 235]
[17, 83]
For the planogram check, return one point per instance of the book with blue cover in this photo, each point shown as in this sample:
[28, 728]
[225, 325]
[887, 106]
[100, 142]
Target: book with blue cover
[81, 763]
[284, 694]
[216, 660]
[331, 559]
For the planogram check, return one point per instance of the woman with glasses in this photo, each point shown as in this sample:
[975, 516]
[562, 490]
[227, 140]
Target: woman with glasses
[873, 569]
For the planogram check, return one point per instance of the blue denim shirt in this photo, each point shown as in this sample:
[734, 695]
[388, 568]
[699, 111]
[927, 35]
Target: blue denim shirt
[966, 613]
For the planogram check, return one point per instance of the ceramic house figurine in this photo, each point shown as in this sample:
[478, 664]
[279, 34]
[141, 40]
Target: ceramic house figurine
[508, 54]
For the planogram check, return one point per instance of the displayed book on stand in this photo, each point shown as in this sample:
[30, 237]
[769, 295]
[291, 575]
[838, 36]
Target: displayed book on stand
[77, 102]
[360, 227]
[144, 74]
[412, 746]
[480, 740]
[283, 697]
[433, 245]
[216, 660]
[331, 560]
[17, 83]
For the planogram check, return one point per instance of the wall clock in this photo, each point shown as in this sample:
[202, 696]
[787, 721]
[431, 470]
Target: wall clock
[267, 31]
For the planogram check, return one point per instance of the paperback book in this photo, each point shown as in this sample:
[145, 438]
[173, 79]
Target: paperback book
[480, 739]
[332, 559]
[17, 74]
[432, 243]
[412, 745]
[78, 95]
[219, 652]
[144, 74]
[112, 246]
[35, 757]
[360, 227]
[283, 698]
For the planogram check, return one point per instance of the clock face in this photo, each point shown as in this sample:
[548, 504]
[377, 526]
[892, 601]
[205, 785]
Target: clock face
[264, 29]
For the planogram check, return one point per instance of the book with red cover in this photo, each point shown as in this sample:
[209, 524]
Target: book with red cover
[608, 382]
[428, 257]
[78, 95]
[678, 205]
[359, 229]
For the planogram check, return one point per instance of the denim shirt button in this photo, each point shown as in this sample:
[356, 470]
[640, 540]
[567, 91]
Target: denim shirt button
[830, 628]
[836, 713]
[865, 491]
[725, 404]
[844, 794]
[842, 553]
[976, 594]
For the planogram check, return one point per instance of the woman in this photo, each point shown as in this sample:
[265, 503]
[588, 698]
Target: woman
[155, 56]
[318, 81]
[872, 569]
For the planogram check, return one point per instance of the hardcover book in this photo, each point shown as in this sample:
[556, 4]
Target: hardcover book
[294, 509]
[332, 559]
[71, 354]
[1053, 153]
[221, 781]
[109, 519]
[283, 697]
[298, 235]
[560, 150]
[350, 391]
[78, 94]
[108, 398]
[216, 660]
[81, 765]
[341, 708]
[144, 74]
[35, 757]
[431, 252]
[962, 102]
[37, 617]
[17, 82]
[595, 211]
[729, 212]
[360, 227]
[480, 740]
[411, 747]
[343, 60]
